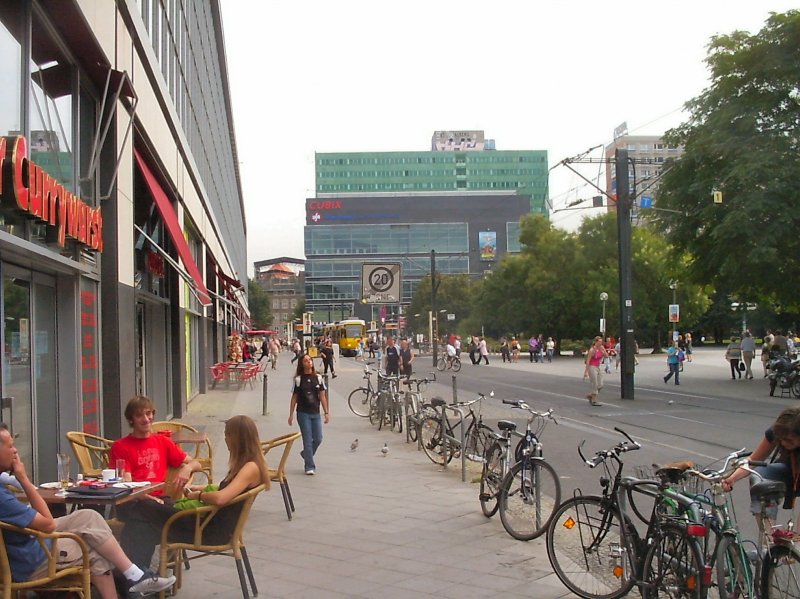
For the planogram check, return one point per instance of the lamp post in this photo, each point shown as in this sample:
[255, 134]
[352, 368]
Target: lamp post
[604, 299]
[674, 286]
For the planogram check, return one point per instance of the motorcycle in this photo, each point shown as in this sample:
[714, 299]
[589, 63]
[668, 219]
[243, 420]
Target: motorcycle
[784, 372]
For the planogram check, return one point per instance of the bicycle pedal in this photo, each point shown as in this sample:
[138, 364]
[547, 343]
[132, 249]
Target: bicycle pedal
[485, 497]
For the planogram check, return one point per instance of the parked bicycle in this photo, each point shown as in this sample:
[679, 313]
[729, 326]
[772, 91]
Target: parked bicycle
[439, 439]
[386, 408]
[529, 490]
[359, 399]
[597, 552]
[416, 408]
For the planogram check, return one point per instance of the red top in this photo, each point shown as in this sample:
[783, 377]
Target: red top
[147, 459]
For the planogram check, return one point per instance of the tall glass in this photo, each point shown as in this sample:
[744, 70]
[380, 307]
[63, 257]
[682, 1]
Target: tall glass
[63, 472]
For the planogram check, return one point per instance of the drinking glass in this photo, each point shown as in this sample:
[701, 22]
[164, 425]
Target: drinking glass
[63, 472]
[120, 469]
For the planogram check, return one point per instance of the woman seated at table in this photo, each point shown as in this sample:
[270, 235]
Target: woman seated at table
[247, 469]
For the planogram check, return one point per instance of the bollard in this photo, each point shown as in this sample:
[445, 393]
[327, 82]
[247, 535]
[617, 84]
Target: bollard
[265, 381]
[455, 389]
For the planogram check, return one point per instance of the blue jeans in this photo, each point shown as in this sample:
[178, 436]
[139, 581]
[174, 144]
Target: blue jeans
[311, 429]
[673, 369]
[774, 471]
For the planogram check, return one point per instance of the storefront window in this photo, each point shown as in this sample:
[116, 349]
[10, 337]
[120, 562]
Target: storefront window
[152, 270]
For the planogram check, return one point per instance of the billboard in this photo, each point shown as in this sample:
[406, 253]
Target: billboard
[487, 242]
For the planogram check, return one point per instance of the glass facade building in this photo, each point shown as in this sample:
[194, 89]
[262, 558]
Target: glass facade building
[343, 233]
[490, 171]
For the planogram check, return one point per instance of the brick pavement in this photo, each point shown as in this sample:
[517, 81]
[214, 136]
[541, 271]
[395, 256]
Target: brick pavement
[366, 525]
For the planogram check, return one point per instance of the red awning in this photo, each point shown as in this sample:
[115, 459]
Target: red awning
[174, 229]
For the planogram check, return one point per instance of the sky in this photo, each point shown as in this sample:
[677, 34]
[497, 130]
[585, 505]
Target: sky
[353, 76]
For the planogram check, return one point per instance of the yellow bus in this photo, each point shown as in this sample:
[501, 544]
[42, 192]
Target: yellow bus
[346, 333]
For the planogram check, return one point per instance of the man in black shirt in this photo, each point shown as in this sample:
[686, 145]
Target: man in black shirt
[392, 357]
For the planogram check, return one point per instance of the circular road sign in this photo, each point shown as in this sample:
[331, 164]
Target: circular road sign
[381, 279]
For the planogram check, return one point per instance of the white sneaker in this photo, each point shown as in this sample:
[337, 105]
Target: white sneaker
[150, 583]
[310, 472]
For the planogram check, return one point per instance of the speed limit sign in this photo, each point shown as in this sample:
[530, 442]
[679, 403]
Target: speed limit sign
[380, 283]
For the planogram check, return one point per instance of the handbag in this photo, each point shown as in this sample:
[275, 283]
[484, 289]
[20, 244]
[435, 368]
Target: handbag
[741, 367]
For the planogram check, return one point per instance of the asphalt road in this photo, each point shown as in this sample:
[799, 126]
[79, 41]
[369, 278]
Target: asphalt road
[705, 418]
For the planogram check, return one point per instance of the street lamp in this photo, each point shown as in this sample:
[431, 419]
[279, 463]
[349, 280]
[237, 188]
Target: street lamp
[604, 299]
[674, 286]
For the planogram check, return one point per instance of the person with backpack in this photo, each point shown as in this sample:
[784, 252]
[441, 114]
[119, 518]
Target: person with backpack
[308, 396]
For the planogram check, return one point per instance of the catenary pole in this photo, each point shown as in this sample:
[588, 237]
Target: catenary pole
[626, 325]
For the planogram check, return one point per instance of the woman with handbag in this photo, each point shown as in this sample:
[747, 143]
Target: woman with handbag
[734, 354]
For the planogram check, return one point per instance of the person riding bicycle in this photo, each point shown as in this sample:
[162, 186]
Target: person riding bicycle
[451, 354]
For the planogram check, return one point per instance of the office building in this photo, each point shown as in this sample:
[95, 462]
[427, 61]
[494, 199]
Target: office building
[122, 231]
[470, 233]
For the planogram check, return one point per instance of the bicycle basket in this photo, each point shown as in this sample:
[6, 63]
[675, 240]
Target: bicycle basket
[673, 477]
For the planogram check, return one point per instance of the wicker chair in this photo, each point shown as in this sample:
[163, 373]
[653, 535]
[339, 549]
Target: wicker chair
[75, 579]
[202, 451]
[278, 474]
[173, 554]
[91, 452]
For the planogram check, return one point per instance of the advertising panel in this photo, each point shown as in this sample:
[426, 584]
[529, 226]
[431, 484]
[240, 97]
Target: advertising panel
[487, 242]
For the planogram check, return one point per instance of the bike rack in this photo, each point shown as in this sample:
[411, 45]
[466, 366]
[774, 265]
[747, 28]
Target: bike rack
[460, 411]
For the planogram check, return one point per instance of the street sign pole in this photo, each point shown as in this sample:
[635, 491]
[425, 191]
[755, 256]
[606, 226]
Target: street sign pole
[626, 327]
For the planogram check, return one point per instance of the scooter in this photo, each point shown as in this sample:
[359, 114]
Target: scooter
[784, 372]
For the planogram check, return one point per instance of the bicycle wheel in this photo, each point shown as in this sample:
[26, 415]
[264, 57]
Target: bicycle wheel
[358, 400]
[477, 440]
[587, 551]
[441, 364]
[673, 566]
[456, 364]
[376, 409]
[397, 414]
[529, 495]
[491, 477]
[781, 573]
[796, 387]
[432, 443]
[732, 573]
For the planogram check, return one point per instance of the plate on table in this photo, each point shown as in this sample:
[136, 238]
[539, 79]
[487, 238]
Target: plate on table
[55, 485]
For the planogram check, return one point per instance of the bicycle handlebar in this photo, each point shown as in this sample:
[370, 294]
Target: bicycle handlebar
[520, 404]
[602, 455]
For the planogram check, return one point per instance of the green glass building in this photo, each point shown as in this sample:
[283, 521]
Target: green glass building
[522, 172]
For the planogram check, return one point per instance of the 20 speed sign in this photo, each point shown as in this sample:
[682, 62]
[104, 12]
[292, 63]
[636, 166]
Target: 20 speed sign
[380, 283]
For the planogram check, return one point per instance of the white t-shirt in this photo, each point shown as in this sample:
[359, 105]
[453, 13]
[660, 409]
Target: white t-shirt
[451, 351]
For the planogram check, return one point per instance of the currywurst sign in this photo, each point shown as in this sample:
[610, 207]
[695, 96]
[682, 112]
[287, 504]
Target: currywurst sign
[29, 188]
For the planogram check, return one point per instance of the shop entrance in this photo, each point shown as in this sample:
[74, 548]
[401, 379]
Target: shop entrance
[29, 381]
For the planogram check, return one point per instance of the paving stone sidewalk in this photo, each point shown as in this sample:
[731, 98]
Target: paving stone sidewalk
[366, 525]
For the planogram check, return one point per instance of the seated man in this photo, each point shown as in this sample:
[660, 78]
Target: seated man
[28, 560]
[147, 457]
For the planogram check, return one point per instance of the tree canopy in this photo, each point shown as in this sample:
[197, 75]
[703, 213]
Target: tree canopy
[259, 304]
[742, 139]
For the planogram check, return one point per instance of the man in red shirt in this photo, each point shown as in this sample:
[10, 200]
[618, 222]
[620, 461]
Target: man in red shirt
[147, 457]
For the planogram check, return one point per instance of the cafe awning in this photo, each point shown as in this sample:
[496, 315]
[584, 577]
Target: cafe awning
[174, 229]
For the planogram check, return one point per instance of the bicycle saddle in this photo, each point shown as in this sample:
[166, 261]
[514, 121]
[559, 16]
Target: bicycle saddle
[506, 425]
[768, 489]
[437, 401]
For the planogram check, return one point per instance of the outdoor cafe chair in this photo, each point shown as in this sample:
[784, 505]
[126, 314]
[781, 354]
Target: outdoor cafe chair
[202, 451]
[278, 474]
[174, 554]
[90, 451]
[74, 579]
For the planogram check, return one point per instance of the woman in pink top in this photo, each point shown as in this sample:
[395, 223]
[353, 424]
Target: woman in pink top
[594, 357]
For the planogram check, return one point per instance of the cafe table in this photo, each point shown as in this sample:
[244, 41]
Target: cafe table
[53, 496]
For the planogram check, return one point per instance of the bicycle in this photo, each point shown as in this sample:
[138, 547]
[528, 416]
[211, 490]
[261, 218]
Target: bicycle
[386, 407]
[530, 490]
[415, 407]
[448, 363]
[597, 552]
[359, 399]
[439, 441]
[773, 570]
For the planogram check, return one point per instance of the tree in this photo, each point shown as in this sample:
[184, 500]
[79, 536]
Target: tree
[259, 303]
[742, 139]
[452, 295]
[299, 309]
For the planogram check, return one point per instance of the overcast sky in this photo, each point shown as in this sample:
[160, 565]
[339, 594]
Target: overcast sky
[351, 76]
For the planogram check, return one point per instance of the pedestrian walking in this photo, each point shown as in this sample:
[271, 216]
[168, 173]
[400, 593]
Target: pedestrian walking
[733, 354]
[308, 396]
[328, 357]
[505, 352]
[532, 349]
[551, 349]
[474, 353]
[514, 349]
[748, 352]
[765, 351]
[484, 351]
[673, 362]
[594, 357]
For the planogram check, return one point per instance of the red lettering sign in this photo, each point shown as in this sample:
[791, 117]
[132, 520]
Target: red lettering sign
[31, 189]
[88, 362]
[325, 205]
[88, 319]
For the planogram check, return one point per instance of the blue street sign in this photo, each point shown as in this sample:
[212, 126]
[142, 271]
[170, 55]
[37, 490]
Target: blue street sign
[645, 202]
